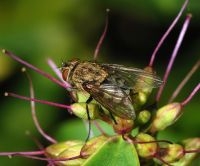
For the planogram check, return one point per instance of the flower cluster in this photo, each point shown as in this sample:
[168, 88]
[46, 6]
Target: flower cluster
[135, 141]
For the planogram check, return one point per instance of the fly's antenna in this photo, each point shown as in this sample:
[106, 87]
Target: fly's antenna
[96, 52]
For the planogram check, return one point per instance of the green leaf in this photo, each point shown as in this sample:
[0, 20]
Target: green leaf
[115, 151]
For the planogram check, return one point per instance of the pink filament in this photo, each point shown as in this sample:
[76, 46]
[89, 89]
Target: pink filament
[174, 54]
[37, 100]
[167, 33]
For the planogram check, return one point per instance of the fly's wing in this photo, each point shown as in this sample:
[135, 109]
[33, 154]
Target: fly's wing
[131, 76]
[113, 98]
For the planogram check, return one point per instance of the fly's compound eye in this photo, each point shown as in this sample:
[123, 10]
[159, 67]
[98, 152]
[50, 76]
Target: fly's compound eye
[65, 73]
[67, 67]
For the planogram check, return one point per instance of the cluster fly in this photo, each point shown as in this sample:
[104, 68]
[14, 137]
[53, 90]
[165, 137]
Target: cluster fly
[111, 85]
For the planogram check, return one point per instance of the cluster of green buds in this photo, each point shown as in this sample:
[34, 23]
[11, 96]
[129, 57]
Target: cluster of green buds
[164, 152]
[135, 141]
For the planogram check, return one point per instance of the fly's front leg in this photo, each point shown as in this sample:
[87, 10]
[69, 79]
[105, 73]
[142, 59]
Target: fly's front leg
[112, 117]
[87, 108]
[89, 118]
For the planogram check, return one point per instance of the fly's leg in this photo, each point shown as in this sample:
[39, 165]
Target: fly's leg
[112, 117]
[88, 116]
[89, 122]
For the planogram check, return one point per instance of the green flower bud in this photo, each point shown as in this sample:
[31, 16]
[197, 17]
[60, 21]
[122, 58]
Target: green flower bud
[172, 153]
[143, 117]
[143, 147]
[123, 126]
[70, 153]
[79, 109]
[55, 149]
[142, 89]
[192, 143]
[191, 150]
[166, 116]
[66, 150]
[139, 99]
[82, 96]
[93, 144]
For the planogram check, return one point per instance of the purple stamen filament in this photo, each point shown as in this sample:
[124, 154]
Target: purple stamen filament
[167, 33]
[10, 54]
[33, 155]
[101, 38]
[195, 90]
[192, 151]
[41, 152]
[35, 120]
[174, 54]
[185, 80]
[57, 72]
[37, 100]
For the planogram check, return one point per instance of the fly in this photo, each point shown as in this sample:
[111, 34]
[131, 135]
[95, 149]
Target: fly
[111, 85]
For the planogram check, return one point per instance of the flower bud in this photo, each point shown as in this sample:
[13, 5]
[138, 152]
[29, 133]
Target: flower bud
[79, 109]
[143, 117]
[192, 143]
[57, 148]
[66, 150]
[172, 153]
[93, 144]
[123, 126]
[142, 89]
[81, 96]
[144, 147]
[191, 150]
[166, 116]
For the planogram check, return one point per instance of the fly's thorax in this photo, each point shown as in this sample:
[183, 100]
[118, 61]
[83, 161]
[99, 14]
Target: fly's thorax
[88, 72]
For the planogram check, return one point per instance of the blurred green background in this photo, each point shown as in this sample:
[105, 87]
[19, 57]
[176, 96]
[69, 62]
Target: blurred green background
[62, 30]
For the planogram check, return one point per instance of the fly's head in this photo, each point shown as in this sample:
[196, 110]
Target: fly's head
[67, 68]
